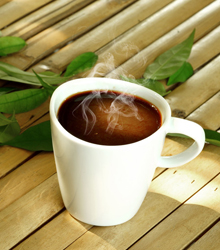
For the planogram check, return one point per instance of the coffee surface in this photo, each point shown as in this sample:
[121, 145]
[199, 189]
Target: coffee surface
[109, 118]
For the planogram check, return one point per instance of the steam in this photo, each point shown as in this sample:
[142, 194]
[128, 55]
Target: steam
[111, 62]
[101, 68]
[121, 106]
[87, 114]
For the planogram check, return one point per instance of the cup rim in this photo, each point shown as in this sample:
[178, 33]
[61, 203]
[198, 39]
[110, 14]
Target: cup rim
[56, 94]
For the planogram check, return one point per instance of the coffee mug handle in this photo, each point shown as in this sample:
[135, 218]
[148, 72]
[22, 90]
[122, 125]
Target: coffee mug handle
[188, 128]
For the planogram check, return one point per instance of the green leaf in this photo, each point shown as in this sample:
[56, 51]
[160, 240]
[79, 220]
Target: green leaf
[10, 44]
[178, 135]
[35, 138]
[2, 73]
[14, 79]
[17, 75]
[23, 100]
[4, 120]
[9, 128]
[182, 74]
[50, 89]
[148, 83]
[49, 73]
[212, 137]
[5, 90]
[170, 61]
[81, 63]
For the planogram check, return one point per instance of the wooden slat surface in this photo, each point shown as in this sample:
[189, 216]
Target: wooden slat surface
[43, 18]
[4, 2]
[16, 9]
[32, 173]
[96, 38]
[200, 82]
[202, 209]
[210, 240]
[33, 209]
[137, 64]
[64, 31]
[158, 25]
[182, 208]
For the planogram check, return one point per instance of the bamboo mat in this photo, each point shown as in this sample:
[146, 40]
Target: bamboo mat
[182, 207]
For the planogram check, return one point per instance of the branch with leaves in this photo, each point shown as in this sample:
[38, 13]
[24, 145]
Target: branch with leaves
[171, 64]
[14, 101]
[20, 101]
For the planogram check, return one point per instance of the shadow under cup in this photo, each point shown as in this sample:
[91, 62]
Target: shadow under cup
[106, 185]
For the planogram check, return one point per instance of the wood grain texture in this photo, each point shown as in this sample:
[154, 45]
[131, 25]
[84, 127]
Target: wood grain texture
[4, 2]
[19, 8]
[188, 222]
[151, 29]
[200, 84]
[43, 18]
[57, 234]
[210, 240]
[58, 35]
[96, 38]
[207, 115]
[203, 21]
[10, 157]
[32, 173]
[29, 212]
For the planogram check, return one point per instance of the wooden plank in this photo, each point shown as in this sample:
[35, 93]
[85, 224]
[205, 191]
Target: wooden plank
[187, 222]
[210, 240]
[56, 235]
[29, 212]
[11, 157]
[207, 115]
[132, 42]
[205, 49]
[202, 52]
[166, 193]
[4, 2]
[32, 173]
[115, 26]
[64, 31]
[28, 118]
[19, 8]
[195, 91]
[87, 242]
[43, 18]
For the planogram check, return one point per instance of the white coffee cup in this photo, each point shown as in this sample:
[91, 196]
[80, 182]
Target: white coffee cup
[106, 185]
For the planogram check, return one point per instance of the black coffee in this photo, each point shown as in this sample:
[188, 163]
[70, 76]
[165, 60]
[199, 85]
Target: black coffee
[109, 118]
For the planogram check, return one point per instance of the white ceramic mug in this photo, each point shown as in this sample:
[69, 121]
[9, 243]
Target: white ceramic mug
[106, 185]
